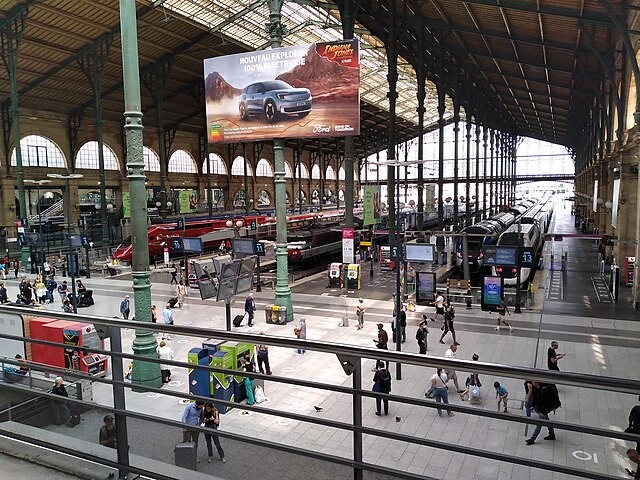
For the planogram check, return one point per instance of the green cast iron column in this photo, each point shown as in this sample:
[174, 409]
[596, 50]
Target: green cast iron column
[456, 160]
[276, 30]
[421, 77]
[144, 373]
[11, 32]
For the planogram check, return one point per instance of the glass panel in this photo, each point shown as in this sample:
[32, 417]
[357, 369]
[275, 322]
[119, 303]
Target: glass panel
[87, 157]
[181, 161]
[39, 151]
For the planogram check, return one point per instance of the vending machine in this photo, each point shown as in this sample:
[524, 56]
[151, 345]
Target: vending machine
[199, 378]
[335, 275]
[221, 384]
[239, 350]
[73, 335]
[353, 276]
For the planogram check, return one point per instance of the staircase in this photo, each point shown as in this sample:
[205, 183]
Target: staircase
[52, 211]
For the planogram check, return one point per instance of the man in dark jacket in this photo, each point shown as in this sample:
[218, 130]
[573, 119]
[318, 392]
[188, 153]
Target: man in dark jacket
[250, 308]
[544, 400]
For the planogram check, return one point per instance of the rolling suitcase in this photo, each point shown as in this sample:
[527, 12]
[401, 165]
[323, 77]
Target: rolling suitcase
[74, 420]
[186, 455]
[173, 301]
[237, 321]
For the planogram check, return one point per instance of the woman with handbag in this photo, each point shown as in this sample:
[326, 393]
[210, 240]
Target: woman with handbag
[472, 385]
[211, 419]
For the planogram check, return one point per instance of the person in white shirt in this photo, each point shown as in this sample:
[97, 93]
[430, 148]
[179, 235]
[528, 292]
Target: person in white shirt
[439, 383]
[165, 353]
[439, 304]
[451, 374]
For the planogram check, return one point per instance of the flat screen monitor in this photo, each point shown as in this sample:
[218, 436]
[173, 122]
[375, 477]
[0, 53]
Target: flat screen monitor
[76, 241]
[248, 265]
[499, 256]
[207, 289]
[243, 246]
[191, 245]
[227, 288]
[419, 252]
[245, 283]
[230, 269]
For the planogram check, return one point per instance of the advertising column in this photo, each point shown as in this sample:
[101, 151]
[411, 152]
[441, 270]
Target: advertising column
[348, 245]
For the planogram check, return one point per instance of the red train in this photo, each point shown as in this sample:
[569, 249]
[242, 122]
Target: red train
[213, 232]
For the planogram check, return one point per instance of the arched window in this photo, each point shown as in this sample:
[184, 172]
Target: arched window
[237, 168]
[288, 173]
[330, 174]
[38, 151]
[342, 174]
[87, 157]
[216, 164]
[263, 169]
[315, 172]
[303, 172]
[151, 160]
[631, 101]
[181, 161]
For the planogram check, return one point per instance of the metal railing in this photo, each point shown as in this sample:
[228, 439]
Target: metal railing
[350, 357]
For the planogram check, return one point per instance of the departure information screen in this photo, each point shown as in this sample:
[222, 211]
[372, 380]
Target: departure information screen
[497, 256]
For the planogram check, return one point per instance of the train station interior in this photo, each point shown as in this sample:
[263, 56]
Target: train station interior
[377, 239]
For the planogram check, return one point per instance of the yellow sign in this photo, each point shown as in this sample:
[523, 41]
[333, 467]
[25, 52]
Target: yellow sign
[365, 244]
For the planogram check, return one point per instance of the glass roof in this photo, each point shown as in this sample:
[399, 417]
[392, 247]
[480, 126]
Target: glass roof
[308, 22]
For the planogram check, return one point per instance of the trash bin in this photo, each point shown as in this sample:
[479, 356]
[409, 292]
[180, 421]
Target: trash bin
[268, 313]
[443, 258]
[275, 311]
[282, 315]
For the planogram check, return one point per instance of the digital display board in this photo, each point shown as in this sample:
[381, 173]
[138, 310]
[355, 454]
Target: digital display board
[526, 257]
[492, 289]
[230, 269]
[243, 246]
[499, 256]
[419, 252]
[227, 288]
[425, 287]
[191, 245]
[248, 265]
[245, 283]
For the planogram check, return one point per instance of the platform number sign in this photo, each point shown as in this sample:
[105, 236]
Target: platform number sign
[527, 257]
[81, 223]
[180, 224]
[254, 225]
[177, 244]
[394, 251]
[260, 249]
[85, 241]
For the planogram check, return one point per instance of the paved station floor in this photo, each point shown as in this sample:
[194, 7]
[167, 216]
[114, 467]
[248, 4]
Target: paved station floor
[13, 467]
[597, 344]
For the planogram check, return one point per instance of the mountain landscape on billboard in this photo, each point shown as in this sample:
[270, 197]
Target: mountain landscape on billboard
[329, 81]
[218, 88]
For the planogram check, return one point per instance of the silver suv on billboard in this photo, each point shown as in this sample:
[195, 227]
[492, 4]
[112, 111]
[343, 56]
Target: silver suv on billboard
[272, 98]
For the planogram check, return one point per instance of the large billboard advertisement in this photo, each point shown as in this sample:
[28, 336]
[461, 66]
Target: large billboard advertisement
[371, 207]
[188, 201]
[291, 92]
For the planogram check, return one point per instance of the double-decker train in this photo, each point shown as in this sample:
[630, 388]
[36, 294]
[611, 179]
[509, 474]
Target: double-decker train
[487, 232]
[532, 227]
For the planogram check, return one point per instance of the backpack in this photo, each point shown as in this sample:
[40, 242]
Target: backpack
[549, 399]
[385, 380]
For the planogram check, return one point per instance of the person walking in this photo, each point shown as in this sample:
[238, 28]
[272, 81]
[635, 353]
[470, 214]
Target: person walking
[421, 336]
[108, 433]
[451, 374]
[66, 413]
[165, 353]
[439, 384]
[553, 357]
[167, 317]
[360, 313]
[382, 384]
[263, 358]
[439, 304]
[502, 309]
[182, 292]
[403, 325]
[125, 307]
[154, 314]
[211, 418]
[192, 416]
[634, 423]
[501, 395]
[301, 332]
[545, 399]
[383, 338]
[4, 295]
[16, 268]
[528, 389]
[174, 275]
[449, 315]
[250, 308]
[41, 291]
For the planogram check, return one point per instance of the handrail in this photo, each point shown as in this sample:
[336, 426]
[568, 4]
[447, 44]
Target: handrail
[355, 354]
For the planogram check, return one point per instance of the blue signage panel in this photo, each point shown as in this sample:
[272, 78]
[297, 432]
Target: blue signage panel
[526, 257]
